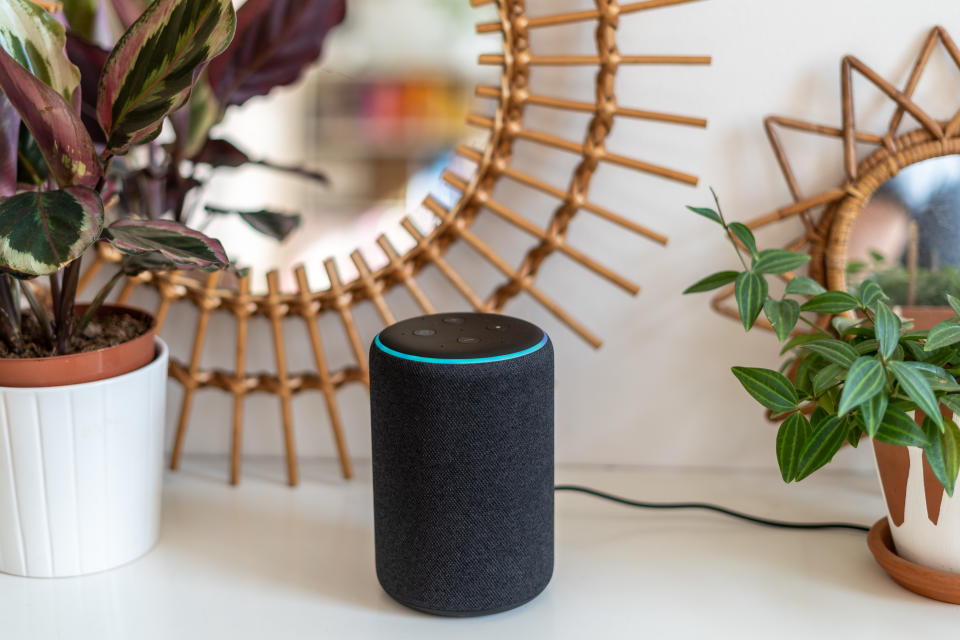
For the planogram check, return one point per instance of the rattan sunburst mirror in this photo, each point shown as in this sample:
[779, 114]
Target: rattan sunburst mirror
[871, 162]
[509, 122]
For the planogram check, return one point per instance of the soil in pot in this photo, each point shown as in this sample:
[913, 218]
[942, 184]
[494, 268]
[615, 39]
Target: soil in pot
[119, 340]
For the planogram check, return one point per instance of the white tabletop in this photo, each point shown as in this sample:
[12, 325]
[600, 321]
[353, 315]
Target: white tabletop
[264, 561]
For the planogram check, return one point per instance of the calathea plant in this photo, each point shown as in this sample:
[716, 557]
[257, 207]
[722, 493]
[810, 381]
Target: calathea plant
[862, 375]
[53, 178]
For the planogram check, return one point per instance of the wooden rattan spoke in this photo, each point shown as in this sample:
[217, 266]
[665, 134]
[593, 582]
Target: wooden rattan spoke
[342, 303]
[372, 288]
[559, 243]
[403, 271]
[309, 312]
[241, 311]
[430, 250]
[275, 314]
[190, 386]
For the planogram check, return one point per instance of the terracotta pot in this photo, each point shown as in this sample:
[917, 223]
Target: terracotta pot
[924, 521]
[926, 318]
[77, 368]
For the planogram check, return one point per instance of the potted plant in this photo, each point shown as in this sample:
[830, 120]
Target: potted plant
[867, 373]
[82, 386]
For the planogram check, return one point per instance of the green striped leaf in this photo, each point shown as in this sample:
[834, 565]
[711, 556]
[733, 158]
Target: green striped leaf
[943, 452]
[43, 231]
[943, 335]
[870, 292]
[916, 386]
[900, 430]
[59, 134]
[742, 233]
[714, 281]
[787, 314]
[800, 340]
[779, 261]
[954, 304]
[873, 411]
[822, 445]
[150, 72]
[36, 40]
[836, 351]
[769, 388]
[952, 402]
[750, 291]
[709, 214]
[865, 379]
[887, 327]
[168, 245]
[831, 302]
[828, 377]
[804, 286]
[791, 438]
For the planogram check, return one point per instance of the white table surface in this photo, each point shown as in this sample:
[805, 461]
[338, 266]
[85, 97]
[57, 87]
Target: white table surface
[265, 561]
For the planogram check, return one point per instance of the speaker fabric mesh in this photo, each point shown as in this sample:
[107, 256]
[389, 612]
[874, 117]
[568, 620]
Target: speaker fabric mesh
[463, 481]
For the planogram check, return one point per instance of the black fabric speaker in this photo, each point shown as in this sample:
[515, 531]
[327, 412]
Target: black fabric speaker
[462, 430]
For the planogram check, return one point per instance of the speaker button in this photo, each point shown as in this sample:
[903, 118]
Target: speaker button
[453, 320]
[468, 340]
[498, 327]
[424, 332]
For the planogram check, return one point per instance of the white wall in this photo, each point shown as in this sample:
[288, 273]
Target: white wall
[659, 391]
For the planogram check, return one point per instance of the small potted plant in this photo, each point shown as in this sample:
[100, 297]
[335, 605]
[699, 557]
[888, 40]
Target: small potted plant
[867, 373]
[82, 386]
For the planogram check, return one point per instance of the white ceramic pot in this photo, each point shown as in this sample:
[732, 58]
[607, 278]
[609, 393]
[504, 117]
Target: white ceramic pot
[80, 472]
[924, 520]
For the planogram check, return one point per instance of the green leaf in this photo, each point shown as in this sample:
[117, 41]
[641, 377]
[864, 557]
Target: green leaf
[952, 402]
[791, 438]
[943, 452]
[900, 430]
[866, 347]
[804, 286]
[750, 291]
[831, 302]
[42, 231]
[779, 261]
[887, 326]
[954, 304]
[789, 316]
[81, 15]
[918, 389]
[152, 68]
[36, 40]
[769, 388]
[744, 235]
[799, 340]
[169, 245]
[943, 335]
[822, 445]
[709, 214]
[846, 326]
[57, 129]
[833, 350]
[827, 377]
[714, 281]
[865, 379]
[873, 411]
[870, 292]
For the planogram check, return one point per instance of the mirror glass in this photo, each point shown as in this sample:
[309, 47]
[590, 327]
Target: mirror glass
[379, 116]
[907, 237]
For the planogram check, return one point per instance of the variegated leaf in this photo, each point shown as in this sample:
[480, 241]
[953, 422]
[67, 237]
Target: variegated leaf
[60, 135]
[43, 231]
[9, 135]
[168, 245]
[36, 40]
[150, 72]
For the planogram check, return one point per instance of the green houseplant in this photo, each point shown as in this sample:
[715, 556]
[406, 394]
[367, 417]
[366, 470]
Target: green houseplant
[866, 373]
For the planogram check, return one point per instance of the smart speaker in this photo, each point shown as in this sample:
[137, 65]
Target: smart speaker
[462, 431]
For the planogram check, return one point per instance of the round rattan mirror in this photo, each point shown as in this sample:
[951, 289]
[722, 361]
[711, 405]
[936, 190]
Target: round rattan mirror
[360, 277]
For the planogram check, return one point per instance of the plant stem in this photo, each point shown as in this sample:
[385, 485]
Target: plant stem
[97, 302]
[41, 315]
[723, 220]
[8, 315]
[815, 326]
[68, 297]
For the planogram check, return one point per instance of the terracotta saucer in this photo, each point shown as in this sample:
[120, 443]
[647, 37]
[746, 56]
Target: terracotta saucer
[930, 583]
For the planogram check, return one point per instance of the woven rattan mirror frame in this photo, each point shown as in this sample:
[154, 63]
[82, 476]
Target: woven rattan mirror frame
[508, 124]
[828, 216]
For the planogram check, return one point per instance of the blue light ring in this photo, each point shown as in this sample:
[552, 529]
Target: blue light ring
[508, 356]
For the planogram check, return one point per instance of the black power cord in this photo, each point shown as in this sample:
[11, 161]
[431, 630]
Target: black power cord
[711, 507]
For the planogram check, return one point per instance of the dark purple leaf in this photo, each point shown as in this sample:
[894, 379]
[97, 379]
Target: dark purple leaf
[64, 142]
[90, 59]
[9, 133]
[223, 153]
[168, 245]
[275, 41]
[269, 223]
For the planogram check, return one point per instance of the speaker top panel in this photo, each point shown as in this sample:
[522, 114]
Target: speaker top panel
[461, 336]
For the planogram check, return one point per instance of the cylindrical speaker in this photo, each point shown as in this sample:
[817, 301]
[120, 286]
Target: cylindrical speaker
[462, 431]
